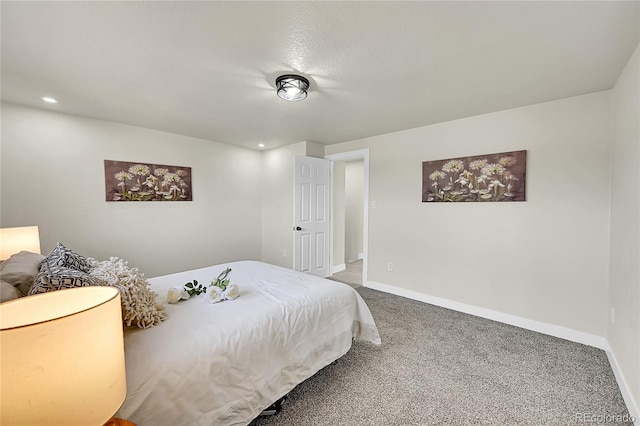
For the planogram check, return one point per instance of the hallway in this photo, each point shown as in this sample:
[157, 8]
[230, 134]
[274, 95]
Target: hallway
[352, 275]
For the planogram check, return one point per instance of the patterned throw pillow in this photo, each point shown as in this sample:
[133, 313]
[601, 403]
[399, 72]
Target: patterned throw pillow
[55, 275]
[70, 259]
[62, 279]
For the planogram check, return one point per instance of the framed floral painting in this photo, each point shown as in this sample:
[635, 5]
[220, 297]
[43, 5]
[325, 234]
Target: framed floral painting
[482, 178]
[127, 181]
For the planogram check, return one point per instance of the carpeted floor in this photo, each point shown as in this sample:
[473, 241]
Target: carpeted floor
[440, 367]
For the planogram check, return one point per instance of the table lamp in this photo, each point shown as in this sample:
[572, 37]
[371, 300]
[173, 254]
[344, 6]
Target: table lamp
[21, 238]
[62, 358]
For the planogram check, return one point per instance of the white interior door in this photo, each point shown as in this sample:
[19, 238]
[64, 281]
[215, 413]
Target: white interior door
[311, 215]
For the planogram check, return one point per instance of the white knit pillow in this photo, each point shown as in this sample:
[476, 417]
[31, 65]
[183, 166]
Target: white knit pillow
[138, 300]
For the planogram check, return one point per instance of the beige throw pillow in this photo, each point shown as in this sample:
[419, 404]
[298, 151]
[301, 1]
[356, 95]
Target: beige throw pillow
[139, 307]
[20, 270]
[7, 292]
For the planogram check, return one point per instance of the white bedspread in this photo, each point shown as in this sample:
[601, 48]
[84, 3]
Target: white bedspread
[222, 364]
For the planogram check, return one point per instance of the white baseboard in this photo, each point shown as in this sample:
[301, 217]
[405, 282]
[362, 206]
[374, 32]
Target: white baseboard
[538, 326]
[338, 268]
[634, 410]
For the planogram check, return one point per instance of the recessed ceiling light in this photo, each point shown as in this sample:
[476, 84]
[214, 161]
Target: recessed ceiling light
[261, 145]
[49, 100]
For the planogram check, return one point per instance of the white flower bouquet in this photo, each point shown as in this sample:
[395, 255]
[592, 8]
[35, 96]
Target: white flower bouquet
[219, 290]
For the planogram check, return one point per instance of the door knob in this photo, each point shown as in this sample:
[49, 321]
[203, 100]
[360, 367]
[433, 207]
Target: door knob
[297, 228]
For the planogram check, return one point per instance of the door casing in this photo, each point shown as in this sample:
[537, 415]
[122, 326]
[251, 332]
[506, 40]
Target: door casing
[354, 155]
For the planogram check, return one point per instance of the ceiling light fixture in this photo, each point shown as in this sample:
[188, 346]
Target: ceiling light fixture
[261, 145]
[49, 100]
[292, 87]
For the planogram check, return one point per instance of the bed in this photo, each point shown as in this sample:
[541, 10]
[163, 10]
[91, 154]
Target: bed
[223, 363]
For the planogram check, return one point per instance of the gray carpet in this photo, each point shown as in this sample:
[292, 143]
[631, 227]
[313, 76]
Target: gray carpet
[440, 367]
[343, 281]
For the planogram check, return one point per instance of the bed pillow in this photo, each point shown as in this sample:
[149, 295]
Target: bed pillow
[139, 306]
[55, 275]
[70, 259]
[7, 292]
[62, 279]
[20, 270]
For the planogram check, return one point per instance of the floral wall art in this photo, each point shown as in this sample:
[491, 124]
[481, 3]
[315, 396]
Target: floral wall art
[127, 181]
[491, 177]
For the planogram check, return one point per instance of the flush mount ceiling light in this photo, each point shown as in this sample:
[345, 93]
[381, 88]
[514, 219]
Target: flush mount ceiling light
[292, 87]
[49, 100]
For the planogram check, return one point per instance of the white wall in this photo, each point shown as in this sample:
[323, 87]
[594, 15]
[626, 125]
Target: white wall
[314, 149]
[53, 176]
[545, 259]
[277, 204]
[354, 210]
[624, 289]
[277, 200]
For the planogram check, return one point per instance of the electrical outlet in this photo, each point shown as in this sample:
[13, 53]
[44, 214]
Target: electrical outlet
[390, 266]
[374, 204]
[613, 315]
[285, 253]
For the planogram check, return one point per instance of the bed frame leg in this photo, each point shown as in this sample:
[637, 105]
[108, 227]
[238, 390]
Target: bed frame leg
[273, 408]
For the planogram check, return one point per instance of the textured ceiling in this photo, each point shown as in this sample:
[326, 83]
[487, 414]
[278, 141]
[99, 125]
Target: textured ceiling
[207, 69]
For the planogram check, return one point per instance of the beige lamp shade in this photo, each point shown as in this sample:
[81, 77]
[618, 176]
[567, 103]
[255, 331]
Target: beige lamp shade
[15, 240]
[62, 356]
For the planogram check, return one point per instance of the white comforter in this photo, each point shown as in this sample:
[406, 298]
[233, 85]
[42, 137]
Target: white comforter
[222, 364]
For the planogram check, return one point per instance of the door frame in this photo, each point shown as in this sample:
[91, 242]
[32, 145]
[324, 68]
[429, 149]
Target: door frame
[353, 155]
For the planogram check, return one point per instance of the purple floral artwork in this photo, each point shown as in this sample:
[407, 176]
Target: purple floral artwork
[127, 181]
[491, 177]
